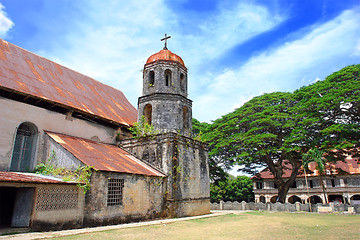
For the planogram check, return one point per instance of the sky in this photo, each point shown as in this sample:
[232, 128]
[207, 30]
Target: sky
[234, 50]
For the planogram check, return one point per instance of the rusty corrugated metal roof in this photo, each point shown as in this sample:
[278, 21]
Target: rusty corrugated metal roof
[165, 55]
[22, 177]
[104, 157]
[348, 166]
[25, 72]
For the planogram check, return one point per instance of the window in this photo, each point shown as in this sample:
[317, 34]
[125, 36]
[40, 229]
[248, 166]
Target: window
[259, 185]
[333, 183]
[24, 148]
[293, 185]
[115, 192]
[311, 183]
[151, 78]
[167, 77]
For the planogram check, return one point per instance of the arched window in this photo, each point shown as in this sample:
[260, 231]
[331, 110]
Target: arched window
[182, 81]
[147, 113]
[24, 148]
[167, 77]
[185, 117]
[151, 78]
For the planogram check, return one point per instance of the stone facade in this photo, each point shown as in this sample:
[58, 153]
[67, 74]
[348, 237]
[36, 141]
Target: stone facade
[185, 162]
[142, 198]
[164, 100]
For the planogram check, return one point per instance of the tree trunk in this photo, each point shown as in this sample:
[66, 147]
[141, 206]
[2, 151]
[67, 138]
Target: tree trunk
[323, 188]
[282, 192]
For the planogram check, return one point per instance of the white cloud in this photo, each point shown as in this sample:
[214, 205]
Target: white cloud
[5, 23]
[113, 41]
[285, 68]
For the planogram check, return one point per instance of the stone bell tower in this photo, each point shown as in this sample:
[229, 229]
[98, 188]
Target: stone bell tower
[173, 151]
[164, 102]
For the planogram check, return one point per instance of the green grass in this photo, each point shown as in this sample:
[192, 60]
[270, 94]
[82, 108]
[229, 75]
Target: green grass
[250, 225]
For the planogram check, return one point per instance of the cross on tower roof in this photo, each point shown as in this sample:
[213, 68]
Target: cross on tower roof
[165, 39]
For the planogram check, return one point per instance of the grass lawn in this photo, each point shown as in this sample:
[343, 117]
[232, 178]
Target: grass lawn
[250, 225]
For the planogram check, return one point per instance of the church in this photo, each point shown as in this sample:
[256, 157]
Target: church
[54, 116]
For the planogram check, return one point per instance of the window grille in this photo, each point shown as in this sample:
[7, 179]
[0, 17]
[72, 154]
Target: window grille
[56, 199]
[115, 191]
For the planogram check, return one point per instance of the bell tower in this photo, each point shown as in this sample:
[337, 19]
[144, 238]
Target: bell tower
[164, 102]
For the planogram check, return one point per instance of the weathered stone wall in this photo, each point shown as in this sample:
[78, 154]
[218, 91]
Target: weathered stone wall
[176, 86]
[143, 198]
[14, 113]
[168, 112]
[185, 162]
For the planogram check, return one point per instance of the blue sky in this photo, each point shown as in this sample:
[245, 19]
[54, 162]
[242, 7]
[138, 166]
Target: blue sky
[234, 50]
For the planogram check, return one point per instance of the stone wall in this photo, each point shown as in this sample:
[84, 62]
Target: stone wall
[185, 162]
[142, 198]
[288, 207]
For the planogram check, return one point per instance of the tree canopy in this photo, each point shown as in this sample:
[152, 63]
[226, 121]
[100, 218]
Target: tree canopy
[276, 129]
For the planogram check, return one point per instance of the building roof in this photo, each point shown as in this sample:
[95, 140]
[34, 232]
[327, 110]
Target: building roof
[165, 55]
[348, 166]
[31, 75]
[104, 157]
[22, 177]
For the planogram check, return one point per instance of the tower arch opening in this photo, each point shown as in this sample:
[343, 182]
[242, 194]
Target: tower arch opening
[24, 148]
[148, 113]
[167, 77]
[182, 82]
[151, 78]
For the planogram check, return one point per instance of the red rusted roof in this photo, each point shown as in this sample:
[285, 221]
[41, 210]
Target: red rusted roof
[166, 55]
[348, 166]
[29, 178]
[104, 157]
[25, 72]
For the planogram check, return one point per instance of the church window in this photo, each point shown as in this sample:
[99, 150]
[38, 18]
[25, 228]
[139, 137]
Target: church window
[148, 113]
[167, 77]
[24, 148]
[185, 117]
[115, 192]
[182, 81]
[151, 78]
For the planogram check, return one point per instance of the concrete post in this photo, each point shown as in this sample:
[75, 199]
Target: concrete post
[221, 205]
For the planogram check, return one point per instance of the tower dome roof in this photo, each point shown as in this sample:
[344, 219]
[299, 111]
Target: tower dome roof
[165, 55]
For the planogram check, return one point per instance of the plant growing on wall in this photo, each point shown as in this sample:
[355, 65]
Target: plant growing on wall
[142, 129]
[81, 175]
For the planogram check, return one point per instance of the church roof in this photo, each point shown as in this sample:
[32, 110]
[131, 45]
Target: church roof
[22, 177]
[28, 74]
[102, 156]
[165, 55]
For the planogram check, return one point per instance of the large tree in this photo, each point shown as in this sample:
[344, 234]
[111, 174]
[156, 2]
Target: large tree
[330, 111]
[258, 134]
[276, 129]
